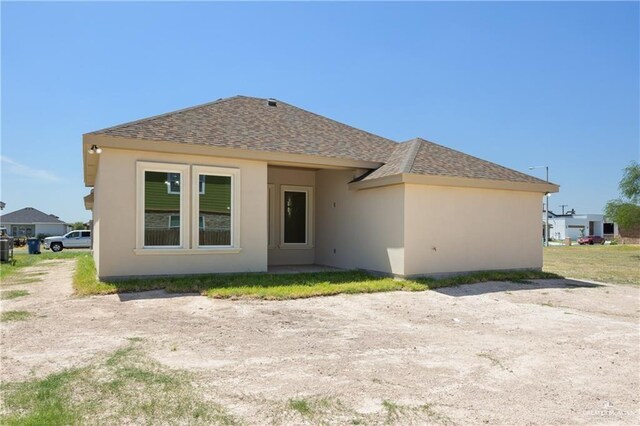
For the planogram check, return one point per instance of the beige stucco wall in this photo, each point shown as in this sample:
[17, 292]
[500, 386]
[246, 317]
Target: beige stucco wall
[115, 219]
[278, 176]
[365, 228]
[451, 229]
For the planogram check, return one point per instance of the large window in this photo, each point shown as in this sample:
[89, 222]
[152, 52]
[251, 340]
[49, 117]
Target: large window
[297, 215]
[215, 210]
[187, 208]
[163, 212]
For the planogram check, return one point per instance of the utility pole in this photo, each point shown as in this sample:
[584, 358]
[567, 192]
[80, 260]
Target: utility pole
[546, 210]
[563, 206]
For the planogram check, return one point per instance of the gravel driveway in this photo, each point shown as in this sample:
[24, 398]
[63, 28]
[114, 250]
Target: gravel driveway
[556, 351]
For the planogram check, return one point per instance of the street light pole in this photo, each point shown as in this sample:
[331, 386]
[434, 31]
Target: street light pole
[546, 209]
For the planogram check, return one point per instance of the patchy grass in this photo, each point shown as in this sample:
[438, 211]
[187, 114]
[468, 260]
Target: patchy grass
[281, 286]
[329, 410]
[14, 316]
[393, 411]
[412, 414]
[22, 280]
[128, 388]
[521, 277]
[23, 260]
[616, 264]
[301, 406]
[495, 361]
[12, 294]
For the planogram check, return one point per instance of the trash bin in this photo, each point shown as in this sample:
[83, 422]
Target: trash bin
[567, 241]
[6, 250]
[34, 245]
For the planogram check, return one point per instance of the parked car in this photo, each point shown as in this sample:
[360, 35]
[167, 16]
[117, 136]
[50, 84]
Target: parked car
[591, 240]
[73, 239]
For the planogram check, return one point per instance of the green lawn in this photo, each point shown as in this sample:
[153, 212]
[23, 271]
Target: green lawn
[615, 264]
[281, 286]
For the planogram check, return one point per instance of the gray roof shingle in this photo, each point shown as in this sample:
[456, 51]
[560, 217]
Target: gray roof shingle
[29, 215]
[251, 123]
[422, 157]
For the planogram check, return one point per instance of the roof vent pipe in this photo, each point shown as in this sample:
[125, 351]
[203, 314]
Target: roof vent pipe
[272, 102]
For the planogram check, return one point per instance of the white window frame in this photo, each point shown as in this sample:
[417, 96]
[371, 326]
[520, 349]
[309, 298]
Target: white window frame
[271, 215]
[234, 174]
[183, 169]
[169, 191]
[171, 216]
[201, 186]
[308, 190]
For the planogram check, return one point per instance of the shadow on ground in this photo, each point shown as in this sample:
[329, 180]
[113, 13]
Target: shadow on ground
[152, 294]
[500, 286]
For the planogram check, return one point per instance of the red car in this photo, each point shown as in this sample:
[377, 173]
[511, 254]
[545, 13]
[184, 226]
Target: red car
[591, 240]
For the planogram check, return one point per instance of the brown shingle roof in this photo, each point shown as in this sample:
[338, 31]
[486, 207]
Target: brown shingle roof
[422, 157]
[250, 123]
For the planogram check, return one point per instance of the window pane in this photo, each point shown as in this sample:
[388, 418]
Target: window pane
[173, 183]
[295, 217]
[215, 211]
[161, 209]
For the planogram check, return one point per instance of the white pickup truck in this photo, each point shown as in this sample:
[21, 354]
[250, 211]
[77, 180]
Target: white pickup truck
[73, 239]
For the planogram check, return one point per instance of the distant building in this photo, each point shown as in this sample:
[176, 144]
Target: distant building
[30, 222]
[574, 226]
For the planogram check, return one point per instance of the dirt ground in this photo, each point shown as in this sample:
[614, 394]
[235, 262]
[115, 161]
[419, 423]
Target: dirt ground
[553, 352]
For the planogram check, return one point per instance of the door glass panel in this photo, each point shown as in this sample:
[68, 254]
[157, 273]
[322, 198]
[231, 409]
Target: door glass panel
[295, 217]
[161, 209]
[215, 209]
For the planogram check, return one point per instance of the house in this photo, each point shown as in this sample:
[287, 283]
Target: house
[30, 222]
[242, 184]
[574, 226]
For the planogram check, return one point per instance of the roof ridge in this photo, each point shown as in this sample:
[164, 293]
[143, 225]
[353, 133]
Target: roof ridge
[178, 111]
[477, 158]
[410, 158]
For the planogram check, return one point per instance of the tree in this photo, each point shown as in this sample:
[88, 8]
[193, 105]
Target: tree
[77, 225]
[625, 211]
[630, 183]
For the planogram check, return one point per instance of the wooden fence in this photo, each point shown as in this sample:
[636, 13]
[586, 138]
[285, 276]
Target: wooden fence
[171, 237]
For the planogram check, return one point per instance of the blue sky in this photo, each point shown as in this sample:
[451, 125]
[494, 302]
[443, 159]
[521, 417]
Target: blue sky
[519, 84]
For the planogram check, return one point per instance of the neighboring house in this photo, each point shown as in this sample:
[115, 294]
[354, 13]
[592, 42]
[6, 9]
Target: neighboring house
[574, 226]
[30, 222]
[243, 183]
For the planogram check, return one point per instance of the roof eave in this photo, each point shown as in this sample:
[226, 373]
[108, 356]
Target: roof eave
[276, 158]
[88, 201]
[542, 187]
